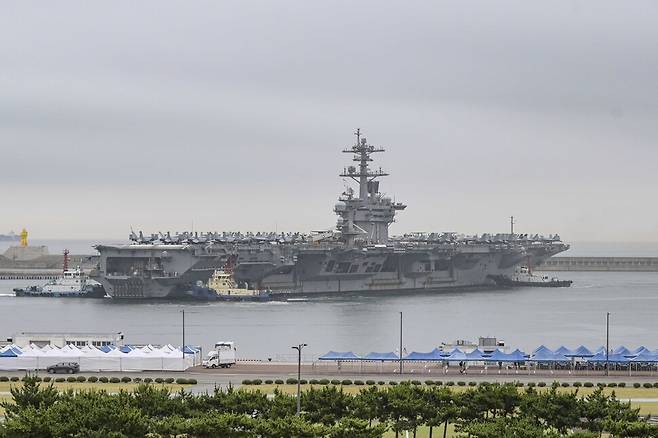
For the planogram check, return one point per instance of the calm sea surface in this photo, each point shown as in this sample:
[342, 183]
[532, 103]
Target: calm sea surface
[524, 318]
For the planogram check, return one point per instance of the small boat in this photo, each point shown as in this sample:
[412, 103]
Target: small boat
[525, 278]
[199, 292]
[72, 283]
[222, 287]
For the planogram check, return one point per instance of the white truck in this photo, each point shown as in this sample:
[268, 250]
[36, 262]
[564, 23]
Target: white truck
[223, 356]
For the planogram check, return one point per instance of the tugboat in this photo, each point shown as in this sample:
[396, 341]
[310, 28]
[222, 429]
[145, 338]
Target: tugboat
[222, 287]
[72, 283]
[524, 277]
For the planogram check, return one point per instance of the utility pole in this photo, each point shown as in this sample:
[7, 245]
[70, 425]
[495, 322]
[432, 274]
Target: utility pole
[299, 375]
[607, 342]
[183, 311]
[400, 342]
[511, 225]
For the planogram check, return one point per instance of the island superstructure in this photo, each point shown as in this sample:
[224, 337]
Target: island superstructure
[365, 218]
[358, 256]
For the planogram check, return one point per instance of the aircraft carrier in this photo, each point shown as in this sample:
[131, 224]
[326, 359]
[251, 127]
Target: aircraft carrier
[358, 256]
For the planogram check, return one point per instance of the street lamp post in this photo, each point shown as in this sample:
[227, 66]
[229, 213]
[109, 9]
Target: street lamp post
[299, 375]
[400, 342]
[183, 311]
[607, 342]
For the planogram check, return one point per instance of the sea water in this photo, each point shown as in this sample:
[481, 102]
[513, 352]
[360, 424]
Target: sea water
[523, 318]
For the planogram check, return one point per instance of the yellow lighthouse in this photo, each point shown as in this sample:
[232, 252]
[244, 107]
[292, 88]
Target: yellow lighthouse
[23, 251]
[24, 238]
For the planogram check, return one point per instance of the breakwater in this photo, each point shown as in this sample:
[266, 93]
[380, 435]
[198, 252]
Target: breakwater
[32, 274]
[619, 264]
[45, 267]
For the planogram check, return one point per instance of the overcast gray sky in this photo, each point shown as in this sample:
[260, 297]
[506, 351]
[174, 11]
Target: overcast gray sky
[232, 115]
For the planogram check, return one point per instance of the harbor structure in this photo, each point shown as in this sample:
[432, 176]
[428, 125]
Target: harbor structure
[61, 339]
[23, 251]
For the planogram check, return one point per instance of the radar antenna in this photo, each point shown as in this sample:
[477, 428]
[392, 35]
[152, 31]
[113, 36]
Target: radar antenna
[365, 217]
[66, 261]
[362, 154]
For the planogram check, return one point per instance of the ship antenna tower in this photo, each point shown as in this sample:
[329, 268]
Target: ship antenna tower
[367, 216]
[66, 260]
[362, 154]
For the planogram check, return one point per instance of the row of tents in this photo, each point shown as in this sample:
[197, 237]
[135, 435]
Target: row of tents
[436, 355]
[619, 355]
[542, 354]
[106, 358]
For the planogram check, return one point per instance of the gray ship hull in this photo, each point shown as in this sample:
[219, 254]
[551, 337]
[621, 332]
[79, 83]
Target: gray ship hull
[314, 271]
[389, 271]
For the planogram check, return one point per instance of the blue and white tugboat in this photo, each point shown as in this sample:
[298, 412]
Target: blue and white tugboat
[524, 277]
[72, 283]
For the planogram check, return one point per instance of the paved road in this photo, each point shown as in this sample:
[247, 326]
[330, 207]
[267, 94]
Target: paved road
[209, 378]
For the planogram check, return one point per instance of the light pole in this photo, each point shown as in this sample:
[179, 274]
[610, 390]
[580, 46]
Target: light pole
[607, 342]
[183, 311]
[400, 342]
[299, 375]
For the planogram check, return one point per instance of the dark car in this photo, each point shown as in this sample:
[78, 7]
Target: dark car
[64, 367]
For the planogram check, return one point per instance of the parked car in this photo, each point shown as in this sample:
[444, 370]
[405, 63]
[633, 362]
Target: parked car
[64, 367]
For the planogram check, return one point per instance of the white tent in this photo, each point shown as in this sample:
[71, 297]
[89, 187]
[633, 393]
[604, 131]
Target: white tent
[92, 359]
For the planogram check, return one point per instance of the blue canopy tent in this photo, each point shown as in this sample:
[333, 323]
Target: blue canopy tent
[542, 355]
[433, 355]
[542, 349]
[598, 357]
[645, 357]
[339, 355]
[380, 356]
[612, 358]
[190, 350]
[476, 355]
[601, 349]
[581, 351]
[563, 350]
[548, 356]
[8, 353]
[457, 355]
[518, 356]
[107, 348]
[622, 350]
[126, 349]
[499, 356]
[640, 350]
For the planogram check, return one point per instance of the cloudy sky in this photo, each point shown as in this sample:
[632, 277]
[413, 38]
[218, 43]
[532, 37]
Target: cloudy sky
[231, 115]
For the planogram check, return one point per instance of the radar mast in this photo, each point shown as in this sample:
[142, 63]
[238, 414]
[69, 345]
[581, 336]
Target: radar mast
[365, 219]
[362, 154]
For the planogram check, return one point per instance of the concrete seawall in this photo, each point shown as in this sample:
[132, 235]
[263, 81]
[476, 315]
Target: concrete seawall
[45, 267]
[619, 264]
[30, 274]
